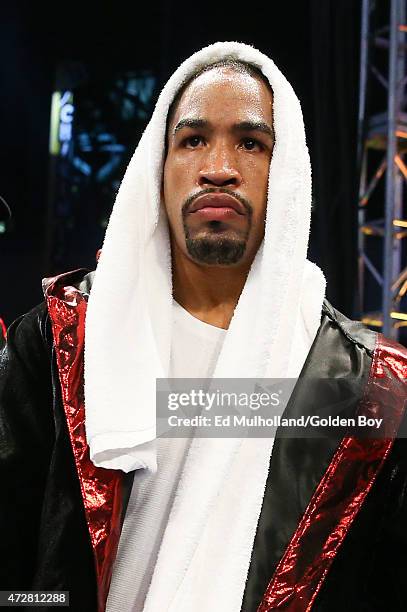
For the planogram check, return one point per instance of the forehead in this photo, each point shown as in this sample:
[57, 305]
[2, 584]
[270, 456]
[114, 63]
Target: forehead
[224, 94]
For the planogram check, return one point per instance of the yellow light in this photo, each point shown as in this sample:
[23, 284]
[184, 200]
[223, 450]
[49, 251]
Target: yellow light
[53, 132]
[402, 316]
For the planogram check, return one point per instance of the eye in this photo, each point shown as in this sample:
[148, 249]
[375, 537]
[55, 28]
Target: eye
[250, 144]
[193, 141]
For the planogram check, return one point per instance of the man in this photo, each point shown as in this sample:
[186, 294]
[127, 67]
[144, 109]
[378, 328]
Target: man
[203, 274]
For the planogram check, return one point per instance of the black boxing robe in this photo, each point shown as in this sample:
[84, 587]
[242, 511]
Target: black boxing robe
[332, 529]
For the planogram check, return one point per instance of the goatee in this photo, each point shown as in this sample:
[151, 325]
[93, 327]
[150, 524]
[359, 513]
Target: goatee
[216, 250]
[214, 247]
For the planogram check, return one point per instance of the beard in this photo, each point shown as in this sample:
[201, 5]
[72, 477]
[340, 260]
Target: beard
[216, 250]
[213, 245]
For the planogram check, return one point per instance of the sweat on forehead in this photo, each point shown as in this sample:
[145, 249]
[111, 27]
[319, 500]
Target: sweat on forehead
[236, 65]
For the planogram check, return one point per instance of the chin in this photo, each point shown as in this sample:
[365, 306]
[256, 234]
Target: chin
[216, 251]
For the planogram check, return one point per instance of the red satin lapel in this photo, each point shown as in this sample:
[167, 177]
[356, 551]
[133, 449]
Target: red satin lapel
[342, 490]
[101, 488]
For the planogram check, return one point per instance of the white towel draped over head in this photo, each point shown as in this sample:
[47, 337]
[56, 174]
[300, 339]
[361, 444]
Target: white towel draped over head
[128, 324]
[209, 536]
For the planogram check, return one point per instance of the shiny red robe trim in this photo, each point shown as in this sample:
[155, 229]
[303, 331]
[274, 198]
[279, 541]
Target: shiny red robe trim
[342, 490]
[3, 329]
[101, 488]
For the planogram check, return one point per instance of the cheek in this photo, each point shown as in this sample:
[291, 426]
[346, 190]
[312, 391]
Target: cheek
[176, 188]
[178, 175]
[256, 181]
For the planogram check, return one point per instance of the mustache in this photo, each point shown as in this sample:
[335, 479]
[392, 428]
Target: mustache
[246, 203]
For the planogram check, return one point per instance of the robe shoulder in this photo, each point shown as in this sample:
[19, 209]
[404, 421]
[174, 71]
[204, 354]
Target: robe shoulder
[353, 330]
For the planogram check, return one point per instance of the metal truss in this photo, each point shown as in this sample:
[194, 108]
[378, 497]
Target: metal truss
[383, 171]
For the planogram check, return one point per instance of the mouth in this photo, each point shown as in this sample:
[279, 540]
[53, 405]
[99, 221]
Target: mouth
[217, 206]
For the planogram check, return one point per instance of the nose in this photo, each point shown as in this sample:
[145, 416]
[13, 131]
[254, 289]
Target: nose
[219, 170]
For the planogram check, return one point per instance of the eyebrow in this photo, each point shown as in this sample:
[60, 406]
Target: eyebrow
[254, 126]
[243, 126]
[190, 123]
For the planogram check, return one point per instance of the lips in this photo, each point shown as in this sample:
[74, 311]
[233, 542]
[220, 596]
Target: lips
[222, 201]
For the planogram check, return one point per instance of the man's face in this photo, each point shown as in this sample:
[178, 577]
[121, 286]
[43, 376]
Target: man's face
[220, 142]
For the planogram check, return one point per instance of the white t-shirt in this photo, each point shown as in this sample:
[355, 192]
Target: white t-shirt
[194, 351]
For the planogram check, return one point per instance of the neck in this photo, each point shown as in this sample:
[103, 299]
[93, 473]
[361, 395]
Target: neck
[209, 293]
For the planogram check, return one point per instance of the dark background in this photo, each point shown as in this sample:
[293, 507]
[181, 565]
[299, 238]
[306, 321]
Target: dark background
[314, 42]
